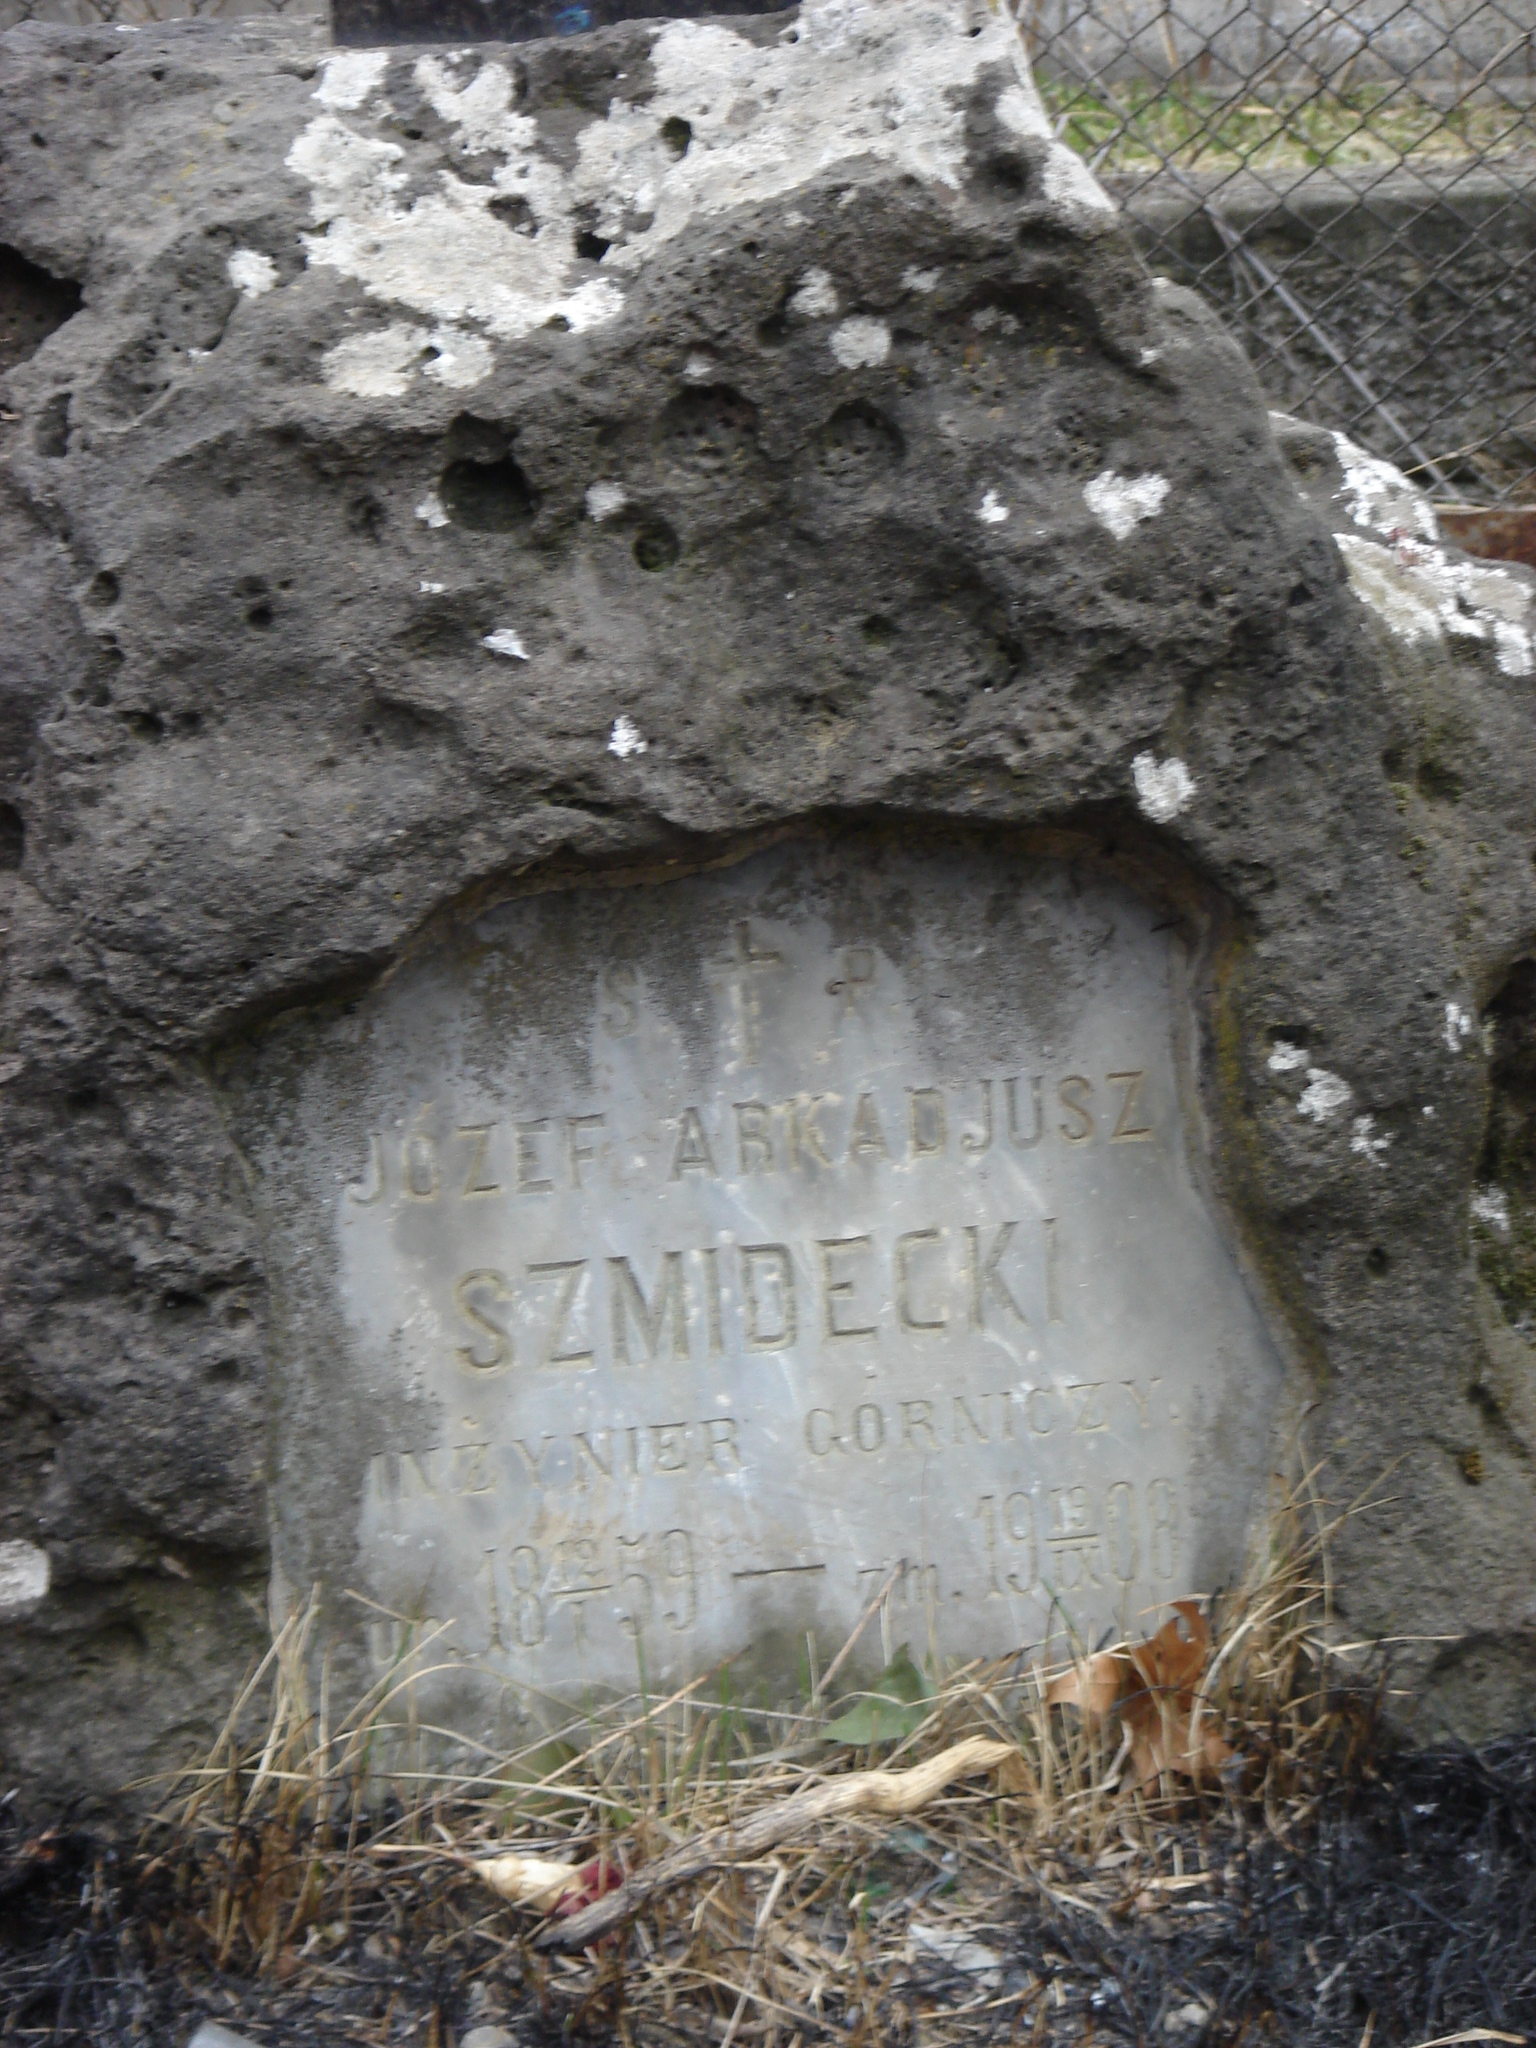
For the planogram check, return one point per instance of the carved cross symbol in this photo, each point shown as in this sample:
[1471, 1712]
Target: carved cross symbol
[857, 975]
[746, 961]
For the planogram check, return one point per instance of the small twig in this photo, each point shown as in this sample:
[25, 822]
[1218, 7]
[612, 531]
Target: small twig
[891, 1794]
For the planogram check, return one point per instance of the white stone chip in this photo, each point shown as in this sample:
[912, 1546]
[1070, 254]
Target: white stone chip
[861, 344]
[252, 273]
[1459, 1026]
[625, 738]
[1491, 1206]
[25, 1576]
[992, 511]
[211, 2035]
[431, 511]
[1363, 1141]
[605, 499]
[1120, 503]
[915, 280]
[505, 641]
[1163, 788]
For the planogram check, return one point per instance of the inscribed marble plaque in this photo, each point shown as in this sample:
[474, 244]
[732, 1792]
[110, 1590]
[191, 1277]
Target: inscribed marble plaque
[661, 1268]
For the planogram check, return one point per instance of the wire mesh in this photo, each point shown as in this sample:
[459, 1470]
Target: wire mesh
[134, 13]
[1351, 183]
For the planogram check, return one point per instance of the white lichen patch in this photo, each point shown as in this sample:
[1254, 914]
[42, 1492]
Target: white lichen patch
[349, 77]
[605, 499]
[625, 739]
[1163, 788]
[1424, 593]
[1458, 1027]
[1068, 182]
[1374, 493]
[992, 511]
[252, 273]
[504, 641]
[432, 511]
[861, 344]
[1490, 1206]
[1324, 1095]
[816, 297]
[1362, 1140]
[1120, 503]
[858, 83]
[384, 364]
[915, 280]
[25, 1576]
[1285, 1058]
[432, 589]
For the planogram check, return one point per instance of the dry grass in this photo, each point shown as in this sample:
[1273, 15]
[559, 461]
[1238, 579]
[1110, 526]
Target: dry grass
[288, 1848]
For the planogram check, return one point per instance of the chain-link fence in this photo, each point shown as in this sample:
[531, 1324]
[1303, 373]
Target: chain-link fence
[1353, 185]
[1351, 182]
[106, 13]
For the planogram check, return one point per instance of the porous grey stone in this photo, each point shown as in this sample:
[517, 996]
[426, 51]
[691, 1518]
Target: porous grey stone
[429, 436]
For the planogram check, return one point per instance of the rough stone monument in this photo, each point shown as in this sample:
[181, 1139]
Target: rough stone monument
[723, 890]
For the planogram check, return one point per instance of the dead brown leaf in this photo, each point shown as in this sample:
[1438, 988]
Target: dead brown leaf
[1153, 1687]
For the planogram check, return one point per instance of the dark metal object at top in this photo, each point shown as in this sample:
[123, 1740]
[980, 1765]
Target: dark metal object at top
[368, 23]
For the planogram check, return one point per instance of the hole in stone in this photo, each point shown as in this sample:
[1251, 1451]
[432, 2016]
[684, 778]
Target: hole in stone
[33, 305]
[145, 725]
[1376, 1261]
[656, 546]
[513, 211]
[39, 141]
[414, 135]
[13, 838]
[880, 631]
[104, 589]
[259, 615]
[857, 443]
[592, 246]
[676, 133]
[187, 723]
[1439, 783]
[709, 429]
[487, 497]
[773, 332]
[50, 436]
[365, 516]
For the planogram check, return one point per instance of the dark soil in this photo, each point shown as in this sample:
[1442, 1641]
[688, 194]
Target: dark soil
[1403, 1904]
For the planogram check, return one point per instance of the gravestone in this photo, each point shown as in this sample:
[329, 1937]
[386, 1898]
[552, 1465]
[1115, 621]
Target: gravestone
[667, 1271]
[669, 612]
